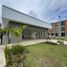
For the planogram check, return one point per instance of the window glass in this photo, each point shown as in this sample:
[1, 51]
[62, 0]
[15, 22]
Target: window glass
[56, 34]
[52, 34]
[62, 22]
[62, 34]
[62, 28]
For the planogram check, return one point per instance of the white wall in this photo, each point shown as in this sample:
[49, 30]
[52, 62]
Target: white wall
[23, 18]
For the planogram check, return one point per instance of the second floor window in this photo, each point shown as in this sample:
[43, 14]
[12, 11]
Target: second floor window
[62, 22]
[62, 29]
[56, 25]
[56, 29]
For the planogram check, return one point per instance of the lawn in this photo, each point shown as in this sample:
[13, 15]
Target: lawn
[46, 55]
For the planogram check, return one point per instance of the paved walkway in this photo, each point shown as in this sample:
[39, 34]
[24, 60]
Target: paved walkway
[55, 41]
[24, 43]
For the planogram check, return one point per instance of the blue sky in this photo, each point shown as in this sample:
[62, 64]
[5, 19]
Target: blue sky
[46, 10]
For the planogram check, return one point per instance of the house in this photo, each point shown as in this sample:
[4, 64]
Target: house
[35, 28]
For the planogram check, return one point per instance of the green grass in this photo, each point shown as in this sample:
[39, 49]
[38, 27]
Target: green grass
[44, 55]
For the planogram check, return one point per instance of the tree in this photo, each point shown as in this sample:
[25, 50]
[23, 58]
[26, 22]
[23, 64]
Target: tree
[1, 35]
[15, 31]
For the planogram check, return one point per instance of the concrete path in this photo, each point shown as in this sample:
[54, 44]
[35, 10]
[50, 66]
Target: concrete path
[24, 43]
[55, 41]
[2, 57]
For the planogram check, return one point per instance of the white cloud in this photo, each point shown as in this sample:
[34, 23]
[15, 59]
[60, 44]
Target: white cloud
[45, 9]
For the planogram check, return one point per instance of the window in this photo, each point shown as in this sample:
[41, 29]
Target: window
[41, 33]
[62, 34]
[62, 29]
[56, 29]
[56, 24]
[52, 34]
[48, 33]
[56, 34]
[62, 22]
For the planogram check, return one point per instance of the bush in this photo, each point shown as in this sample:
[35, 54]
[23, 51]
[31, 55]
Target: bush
[60, 42]
[51, 43]
[14, 56]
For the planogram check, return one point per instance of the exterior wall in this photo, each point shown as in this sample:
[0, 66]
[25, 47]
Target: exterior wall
[52, 29]
[37, 33]
[30, 33]
[14, 15]
[5, 22]
[65, 25]
[59, 29]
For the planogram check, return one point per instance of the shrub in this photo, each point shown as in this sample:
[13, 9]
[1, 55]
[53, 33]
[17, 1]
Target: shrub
[14, 56]
[60, 42]
[51, 43]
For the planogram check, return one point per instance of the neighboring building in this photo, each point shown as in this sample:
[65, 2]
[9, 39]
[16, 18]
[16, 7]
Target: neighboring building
[35, 28]
[59, 29]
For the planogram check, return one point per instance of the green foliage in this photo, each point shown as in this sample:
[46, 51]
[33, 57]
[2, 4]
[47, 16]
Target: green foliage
[1, 30]
[51, 43]
[17, 49]
[14, 31]
[14, 54]
[7, 52]
[17, 31]
[46, 55]
[60, 42]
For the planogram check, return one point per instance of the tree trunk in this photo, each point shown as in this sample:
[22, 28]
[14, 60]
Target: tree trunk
[8, 37]
[1, 37]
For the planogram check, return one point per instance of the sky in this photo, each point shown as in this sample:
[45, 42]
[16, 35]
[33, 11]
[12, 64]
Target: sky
[46, 10]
